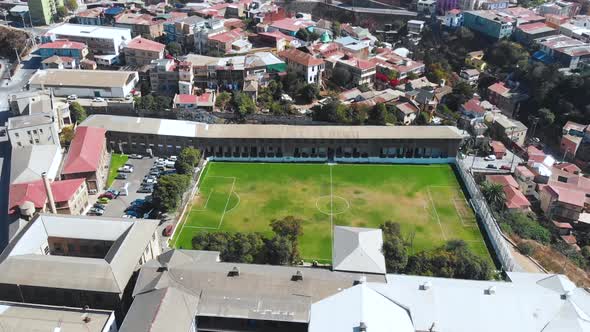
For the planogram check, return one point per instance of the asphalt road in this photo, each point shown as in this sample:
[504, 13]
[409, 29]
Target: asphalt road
[19, 81]
[481, 165]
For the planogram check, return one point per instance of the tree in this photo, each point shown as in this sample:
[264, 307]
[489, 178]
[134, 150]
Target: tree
[223, 99]
[341, 76]
[187, 160]
[66, 135]
[506, 55]
[333, 111]
[309, 92]
[394, 249]
[378, 115]
[169, 190]
[174, 48]
[278, 250]
[71, 5]
[546, 116]
[77, 112]
[62, 12]
[291, 229]
[336, 29]
[494, 195]
[243, 104]
[307, 35]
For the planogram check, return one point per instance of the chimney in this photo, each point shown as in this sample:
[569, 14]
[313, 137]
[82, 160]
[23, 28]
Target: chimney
[48, 192]
[298, 276]
[362, 327]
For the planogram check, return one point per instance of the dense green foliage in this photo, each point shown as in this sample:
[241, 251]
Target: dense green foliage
[153, 104]
[174, 49]
[169, 190]
[77, 112]
[523, 226]
[187, 160]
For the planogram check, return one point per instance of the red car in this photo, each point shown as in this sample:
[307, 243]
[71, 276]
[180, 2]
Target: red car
[168, 230]
[108, 195]
[506, 167]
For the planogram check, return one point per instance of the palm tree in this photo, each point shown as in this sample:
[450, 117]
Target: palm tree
[494, 194]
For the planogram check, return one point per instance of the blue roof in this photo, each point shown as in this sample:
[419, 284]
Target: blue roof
[543, 57]
[346, 40]
[114, 10]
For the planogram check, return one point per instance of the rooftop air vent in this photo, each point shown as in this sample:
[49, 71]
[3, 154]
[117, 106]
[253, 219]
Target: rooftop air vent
[298, 276]
[360, 280]
[235, 272]
[362, 327]
[490, 291]
[426, 286]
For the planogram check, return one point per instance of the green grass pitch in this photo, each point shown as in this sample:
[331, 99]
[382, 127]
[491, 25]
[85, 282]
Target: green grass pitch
[426, 200]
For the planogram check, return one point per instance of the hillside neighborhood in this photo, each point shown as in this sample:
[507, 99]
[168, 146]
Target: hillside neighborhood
[262, 165]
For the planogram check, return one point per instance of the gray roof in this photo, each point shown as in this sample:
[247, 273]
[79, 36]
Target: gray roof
[181, 128]
[81, 78]
[24, 263]
[259, 292]
[25, 317]
[32, 120]
[358, 249]
[29, 162]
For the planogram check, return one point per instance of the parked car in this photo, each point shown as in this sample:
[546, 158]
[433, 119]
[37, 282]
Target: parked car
[121, 176]
[490, 158]
[103, 200]
[126, 169]
[169, 163]
[173, 158]
[132, 214]
[492, 166]
[100, 206]
[145, 190]
[97, 211]
[168, 230]
[149, 181]
[98, 99]
[155, 173]
[72, 97]
[138, 202]
[135, 156]
[114, 192]
[108, 195]
[506, 167]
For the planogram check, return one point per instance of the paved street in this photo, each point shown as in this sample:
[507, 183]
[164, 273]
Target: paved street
[116, 207]
[481, 165]
[4, 182]
[19, 81]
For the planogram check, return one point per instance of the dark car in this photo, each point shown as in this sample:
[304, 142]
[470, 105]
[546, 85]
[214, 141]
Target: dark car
[108, 195]
[492, 166]
[506, 167]
[100, 206]
[146, 190]
[121, 176]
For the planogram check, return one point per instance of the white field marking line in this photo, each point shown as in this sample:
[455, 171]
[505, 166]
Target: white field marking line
[206, 203]
[200, 227]
[235, 206]
[332, 213]
[436, 213]
[331, 208]
[227, 202]
[223, 177]
[459, 214]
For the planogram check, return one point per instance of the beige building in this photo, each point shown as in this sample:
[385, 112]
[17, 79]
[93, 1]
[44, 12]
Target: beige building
[35, 129]
[141, 51]
[509, 130]
[88, 158]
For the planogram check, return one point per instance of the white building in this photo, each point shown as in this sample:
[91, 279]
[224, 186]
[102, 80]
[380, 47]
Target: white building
[305, 64]
[100, 39]
[427, 7]
[415, 26]
[35, 129]
[86, 83]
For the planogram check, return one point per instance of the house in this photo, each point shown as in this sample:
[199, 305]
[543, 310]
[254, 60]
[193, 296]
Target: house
[407, 112]
[488, 23]
[561, 8]
[202, 32]
[144, 25]
[85, 83]
[534, 154]
[305, 64]
[69, 197]
[362, 71]
[27, 164]
[498, 149]
[453, 18]
[390, 64]
[358, 249]
[290, 26]
[33, 102]
[98, 256]
[101, 40]
[353, 46]
[234, 41]
[577, 27]
[426, 7]
[527, 33]
[64, 48]
[475, 60]
[574, 136]
[475, 108]
[415, 27]
[493, 4]
[204, 101]
[91, 16]
[88, 158]
[59, 62]
[25, 317]
[169, 76]
[505, 98]
[560, 201]
[140, 51]
[470, 76]
[35, 129]
[509, 130]
[276, 39]
[525, 179]
[514, 198]
[569, 168]
[182, 30]
[568, 52]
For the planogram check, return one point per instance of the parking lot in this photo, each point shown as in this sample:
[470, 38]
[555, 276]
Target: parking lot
[116, 207]
[481, 165]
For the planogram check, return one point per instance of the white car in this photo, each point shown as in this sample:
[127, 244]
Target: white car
[490, 158]
[98, 99]
[72, 97]
[172, 158]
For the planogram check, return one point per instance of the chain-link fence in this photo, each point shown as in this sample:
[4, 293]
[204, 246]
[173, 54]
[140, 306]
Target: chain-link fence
[488, 221]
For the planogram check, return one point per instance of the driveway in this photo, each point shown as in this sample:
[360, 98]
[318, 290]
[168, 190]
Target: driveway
[117, 206]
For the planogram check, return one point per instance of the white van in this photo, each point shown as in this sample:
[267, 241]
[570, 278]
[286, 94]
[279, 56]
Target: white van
[124, 191]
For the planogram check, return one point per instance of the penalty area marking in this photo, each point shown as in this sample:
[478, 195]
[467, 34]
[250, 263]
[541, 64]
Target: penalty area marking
[237, 204]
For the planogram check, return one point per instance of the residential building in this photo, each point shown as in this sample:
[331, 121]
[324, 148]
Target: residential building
[205, 101]
[202, 33]
[426, 7]
[568, 52]
[562, 8]
[164, 77]
[233, 41]
[476, 108]
[88, 158]
[525, 179]
[100, 40]
[143, 25]
[40, 102]
[515, 199]
[555, 21]
[213, 295]
[77, 261]
[27, 164]
[85, 83]
[59, 62]
[415, 26]
[140, 51]
[43, 12]
[453, 18]
[362, 71]
[65, 48]
[577, 27]
[488, 23]
[291, 25]
[69, 197]
[182, 30]
[37, 317]
[493, 4]
[407, 112]
[507, 99]
[390, 64]
[276, 39]
[574, 136]
[353, 46]
[280, 142]
[91, 16]
[35, 129]
[509, 130]
[475, 60]
[304, 64]
[470, 76]
[527, 33]
[561, 202]
[498, 149]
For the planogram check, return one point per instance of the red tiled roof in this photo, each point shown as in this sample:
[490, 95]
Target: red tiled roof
[504, 180]
[568, 167]
[530, 27]
[567, 194]
[185, 99]
[64, 190]
[64, 44]
[535, 154]
[85, 150]
[563, 225]
[277, 35]
[524, 171]
[499, 88]
[300, 57]
[291, 24]
[569, 239]
[228, 36]
[515, 199]
[140, 43]
[35, 192]
[498, 147]
[473, 105]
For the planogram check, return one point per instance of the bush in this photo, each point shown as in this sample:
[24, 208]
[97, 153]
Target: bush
[525, 227]
[526, 248]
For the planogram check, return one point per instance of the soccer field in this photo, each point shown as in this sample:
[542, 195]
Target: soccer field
[426, 200]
